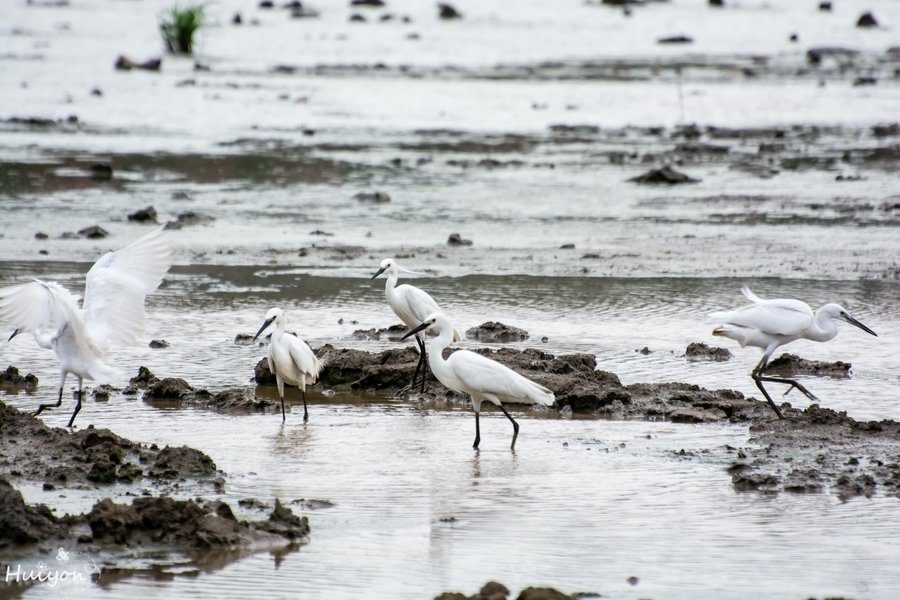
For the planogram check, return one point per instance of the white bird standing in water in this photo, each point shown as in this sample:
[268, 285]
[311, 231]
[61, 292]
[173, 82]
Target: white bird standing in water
[768, 324]
[290, 358]
[112, 312]
[478, 376]
[411, 305]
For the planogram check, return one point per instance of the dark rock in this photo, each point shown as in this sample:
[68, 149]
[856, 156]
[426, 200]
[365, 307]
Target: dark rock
[93, 232]
[374, 197]
[266, 4]
[886, 129]
[183, 462]
[456, 240]
[143, 215]
[236, 19]
[825, 6]
[285, 523]
[243, 339]
[791, 364]
[447, 12]
[493, 590]
[543, 593]
[392, 333]
[867, 19]
[370, 3]
[189, 218]
[357, 18]
[21, 524]
[96, 92]
[101, 171]
[493, 332]
[40, 235]
[864, 80]
[451, 596]
[675, 39]
[123, 63]
[665, 174]
[168, 388]
[567, 247]
[699, 350]
[143, 379]
[717, 2]
[11, 378]
[158, 344]
[261, 373]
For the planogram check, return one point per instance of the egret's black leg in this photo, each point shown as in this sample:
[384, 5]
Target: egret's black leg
[422, 361]
[793, 384]
[305, 411]
[283, 418]
[78, 404]
[758, 379]
[515, 427]
[477, 433]
[42, 407]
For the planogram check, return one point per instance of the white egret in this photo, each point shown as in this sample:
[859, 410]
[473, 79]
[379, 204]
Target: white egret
[478, 376]
[290, 358]
[768, 324]
[411, 305]
[112, 312]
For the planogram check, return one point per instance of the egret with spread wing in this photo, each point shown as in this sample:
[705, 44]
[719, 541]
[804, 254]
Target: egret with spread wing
[478, 376]
[411, 305]
[290, 359]
[768, 324]
[112, 312]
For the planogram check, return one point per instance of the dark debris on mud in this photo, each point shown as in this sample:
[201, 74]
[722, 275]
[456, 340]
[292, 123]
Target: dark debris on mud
[494, 590]
[820, 450]
[789, 365]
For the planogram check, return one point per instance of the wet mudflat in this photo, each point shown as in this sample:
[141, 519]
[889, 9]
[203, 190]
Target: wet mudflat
[293, 154]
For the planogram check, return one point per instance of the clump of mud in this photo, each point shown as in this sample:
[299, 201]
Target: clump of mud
[89, 457]
[700, 351]
[791, 364]
[493, 590]
[493, 332]
[13, 381]
[820, 450]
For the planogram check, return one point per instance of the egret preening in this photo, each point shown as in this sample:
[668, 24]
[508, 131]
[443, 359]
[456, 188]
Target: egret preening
[768, 324]
[411, 305]
[290, 359]
[112, 312]
[478, 376]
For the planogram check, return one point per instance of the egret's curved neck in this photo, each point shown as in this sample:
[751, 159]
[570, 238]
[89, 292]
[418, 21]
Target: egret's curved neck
[436, 346]
[822, 329]
[391, 282]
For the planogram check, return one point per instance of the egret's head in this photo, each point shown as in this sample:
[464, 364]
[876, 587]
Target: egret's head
[431, 322]
[836, 311]
[388, 265]
[275, 315]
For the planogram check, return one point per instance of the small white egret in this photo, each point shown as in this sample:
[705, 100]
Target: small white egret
[768, 324]
[411, 305]
[478, 376]
[290, 358]
[112, 311]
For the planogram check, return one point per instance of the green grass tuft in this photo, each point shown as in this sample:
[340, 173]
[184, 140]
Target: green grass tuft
[178, 27]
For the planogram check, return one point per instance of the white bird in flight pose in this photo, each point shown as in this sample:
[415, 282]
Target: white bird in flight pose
[290, 358]
[768, 324]
[411, 305]
[112, 312]
[478, 376]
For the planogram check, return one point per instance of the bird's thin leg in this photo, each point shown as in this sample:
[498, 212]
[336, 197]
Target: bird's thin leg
[477, 433]
[423, 361]
[305, 412]
[758, 379]
[78, 404]
[515, 427]
[420, 364]
[42, 407]
[793, 384]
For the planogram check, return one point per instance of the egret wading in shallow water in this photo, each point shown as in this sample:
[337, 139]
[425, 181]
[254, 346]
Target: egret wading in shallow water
[112, 312]
[768, 324]
[412, 306]
[478, 376]
[290, 358]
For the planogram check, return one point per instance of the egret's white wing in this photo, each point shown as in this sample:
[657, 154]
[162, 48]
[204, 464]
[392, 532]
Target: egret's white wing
[38, 305]
[303, 358]
[485, 376]
[415, 306]
[117, 286]
[783, 317]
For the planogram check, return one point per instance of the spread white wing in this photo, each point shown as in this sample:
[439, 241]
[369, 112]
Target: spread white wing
[485, 376]
[38, 306]
[118, 284]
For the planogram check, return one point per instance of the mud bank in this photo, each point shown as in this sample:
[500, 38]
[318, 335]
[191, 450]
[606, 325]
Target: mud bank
[820, 450]
[493, 590]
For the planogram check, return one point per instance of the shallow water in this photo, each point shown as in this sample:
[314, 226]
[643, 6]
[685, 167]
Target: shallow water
[517, 127]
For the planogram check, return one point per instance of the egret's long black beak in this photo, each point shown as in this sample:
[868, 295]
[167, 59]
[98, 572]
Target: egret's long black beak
[853, 321]
[414, 330]
[378, 272]
[263, 328]
[14, 334]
